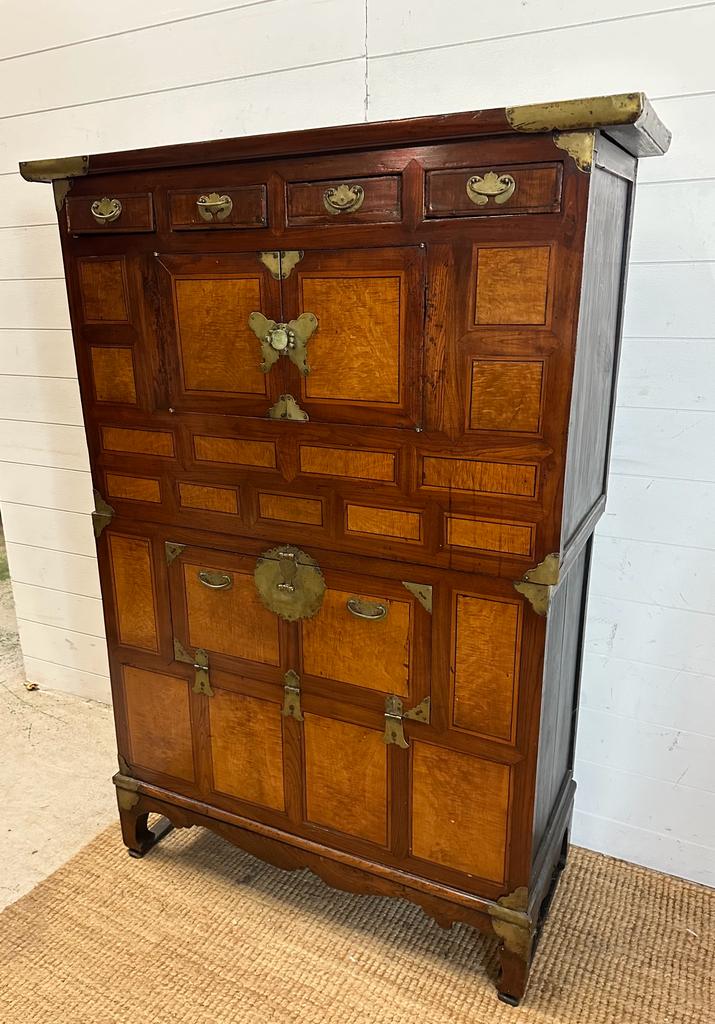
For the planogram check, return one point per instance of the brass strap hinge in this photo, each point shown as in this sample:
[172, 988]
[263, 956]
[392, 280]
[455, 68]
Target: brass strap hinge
[199, 660]
[291, 698]
[102, 515]
[395, 715]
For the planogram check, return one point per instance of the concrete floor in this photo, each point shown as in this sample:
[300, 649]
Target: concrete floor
[57, 755]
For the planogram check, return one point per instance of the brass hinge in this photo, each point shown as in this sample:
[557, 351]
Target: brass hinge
[172, 550]
[395, 715]
[291, 698]
[281, 263]
[199, 660]
[102, 515]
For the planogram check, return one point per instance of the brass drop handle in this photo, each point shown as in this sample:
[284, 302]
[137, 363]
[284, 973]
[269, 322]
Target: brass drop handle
[343, 198]
[499, 187]
[370, 610]
[106, 210]
[215, 580]
[214, 204]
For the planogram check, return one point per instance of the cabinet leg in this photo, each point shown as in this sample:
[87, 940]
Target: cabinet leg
[138, 837]
[513, 976]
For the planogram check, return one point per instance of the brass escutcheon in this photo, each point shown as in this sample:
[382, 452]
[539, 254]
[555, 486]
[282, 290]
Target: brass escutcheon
[289, 583]
[284, 339]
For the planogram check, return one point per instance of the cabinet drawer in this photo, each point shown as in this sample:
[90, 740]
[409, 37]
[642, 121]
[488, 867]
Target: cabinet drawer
[110, 213]
[215, 208]
[374, 200]
[488, 191]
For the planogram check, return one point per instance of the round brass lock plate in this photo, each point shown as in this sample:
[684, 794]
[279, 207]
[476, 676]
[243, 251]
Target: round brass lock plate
[289, 583]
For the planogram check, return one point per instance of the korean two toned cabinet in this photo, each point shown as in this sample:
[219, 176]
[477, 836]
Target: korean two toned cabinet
[348, 397]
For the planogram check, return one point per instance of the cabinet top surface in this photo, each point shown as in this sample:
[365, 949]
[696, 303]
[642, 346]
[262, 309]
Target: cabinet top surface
[627, 118]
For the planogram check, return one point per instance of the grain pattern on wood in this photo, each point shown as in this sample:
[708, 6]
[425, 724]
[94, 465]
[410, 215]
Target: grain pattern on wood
[103, 289]
[506, 395]
[159, 720]
[133, 488]
[248, 208]
[113, 373]
[238, 451]
[360, 464]
[289, 508]
[138, 442]
[137, 214]
[471, 475]
[210, 499]
[339, 795]
[383, 522]
[381, 201]
[537, 190]
[247, 748]
[488, 535]
[460, 810]
[486, 647]
[512, 284]
[134, 602]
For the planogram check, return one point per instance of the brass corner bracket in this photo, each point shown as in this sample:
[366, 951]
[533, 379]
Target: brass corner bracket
[538, 583]
[59, 173]
[580, 147]
[511, 922]
[280, 262]
[172, 550]
[102, 515]
[423, 593]
[127, 789]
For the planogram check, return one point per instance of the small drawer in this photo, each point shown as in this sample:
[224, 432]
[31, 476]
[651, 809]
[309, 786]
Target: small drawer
[490, 191]
[375, 200]
[210, 209]
[110, 213]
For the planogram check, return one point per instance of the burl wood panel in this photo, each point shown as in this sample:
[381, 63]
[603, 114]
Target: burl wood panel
[460, 807]
[236, 450]
[488, 535]
[159, 722]
[512, 284]
[538, 190]
[102, 285]
[247, 748]
[231, 622]
[356, 353]
[133, 488]
[138, 442]
[506, 395]
[471, 475]
[346, 778]
[218, 351]
[113, 374]
[383, 522]
[133, 581]
[381, 202]
[486, 646]
[362, 464]
[372, 654]
[290, 509]
[210, 499]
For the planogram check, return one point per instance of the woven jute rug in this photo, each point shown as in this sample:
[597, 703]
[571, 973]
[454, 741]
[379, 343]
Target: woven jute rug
[200, 932]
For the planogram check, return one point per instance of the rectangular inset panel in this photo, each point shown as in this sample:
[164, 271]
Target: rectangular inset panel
[489, 535]
[219, 352]
[138, 442]
[537, 189]
[230, 621]
[383, 522]
[289, 508]
[487, 477]
[346, 778]
[210, 499]
[512, 285]
[137, 214]
[247, 748]
[372, 653]
[306, 201]
[113, 374]
[102, 283]
[159, 722]
[485, 665]
[133, 579]
[356, 354]
[248, 208]
[506, 395]
[444, 783]
[360, 464]
[133, 488]
[236, 450]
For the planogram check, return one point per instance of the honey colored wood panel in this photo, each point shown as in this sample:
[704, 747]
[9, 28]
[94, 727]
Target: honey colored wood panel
[512, 285]
[211, 499]
[488, 535]
[356, 353]
[218, 350]
[460, 807]
[372, 654]
[159, 722]
[506, 395]
[360, 465]
[138, 442]
[133, 579]
[247, 748]
[290, 509]
[236, 450]
[231, 622]
[346, 778]
[487, 477]
[133, 488]
[103, 288]
[485, 665]
[383, 522]
[113, 374]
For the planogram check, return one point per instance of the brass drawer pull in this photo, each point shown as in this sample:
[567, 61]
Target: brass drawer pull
[214, 204]
[366, 609]
[499, 187]
[215, 580]
[343, 198]
[106, 210]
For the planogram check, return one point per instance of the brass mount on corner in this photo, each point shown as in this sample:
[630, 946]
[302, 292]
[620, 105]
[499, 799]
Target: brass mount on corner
[395, 715]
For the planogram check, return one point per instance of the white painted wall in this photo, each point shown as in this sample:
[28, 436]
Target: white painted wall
[183, 70]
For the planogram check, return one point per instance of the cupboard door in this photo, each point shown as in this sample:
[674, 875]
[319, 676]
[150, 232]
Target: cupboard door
[246, 746]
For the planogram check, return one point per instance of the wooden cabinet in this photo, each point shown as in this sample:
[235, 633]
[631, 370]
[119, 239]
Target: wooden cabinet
[348, 396]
